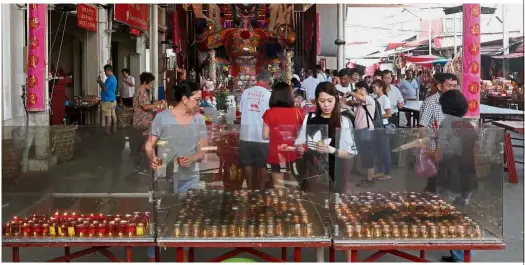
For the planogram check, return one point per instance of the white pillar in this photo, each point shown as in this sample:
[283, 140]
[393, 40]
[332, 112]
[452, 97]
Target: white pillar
[505, 71]
[340, 37]
[6, 62]
[154, 48]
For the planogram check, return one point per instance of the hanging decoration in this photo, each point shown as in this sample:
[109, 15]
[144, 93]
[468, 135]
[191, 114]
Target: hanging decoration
[470, 78]
[36, 58]
[213, 67]
[289, 66]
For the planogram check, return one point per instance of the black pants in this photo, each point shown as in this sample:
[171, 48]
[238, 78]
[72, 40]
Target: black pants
[394, 119]
[128, 102]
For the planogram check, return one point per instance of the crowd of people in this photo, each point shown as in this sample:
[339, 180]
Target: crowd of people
[281, 146]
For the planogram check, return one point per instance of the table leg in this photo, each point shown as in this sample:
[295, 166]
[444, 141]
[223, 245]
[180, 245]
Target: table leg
[283, 254]
[297, 254]
[331, 255]
[466, 255]
[67, 252]
[320, 254]
[353, 256]
[180, 254]
[191, 255]
[422, 254]
[129, 255]
[509, 157]
[157, 254]
[16, 254]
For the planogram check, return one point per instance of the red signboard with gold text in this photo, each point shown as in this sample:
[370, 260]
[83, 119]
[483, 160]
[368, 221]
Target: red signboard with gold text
[36, 58]
[87, 17]
[470, 81]
[133, 15]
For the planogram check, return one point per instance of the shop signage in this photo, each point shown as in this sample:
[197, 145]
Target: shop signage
[87, 17]
[133, 15]
[36, 59]
[470, 80]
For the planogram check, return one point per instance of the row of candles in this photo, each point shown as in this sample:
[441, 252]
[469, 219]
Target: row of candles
[406, 215]
[243, 214]
[79, 225]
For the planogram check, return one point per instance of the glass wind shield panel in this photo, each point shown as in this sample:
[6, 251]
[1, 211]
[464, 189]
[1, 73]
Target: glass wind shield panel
[73, 169]
[78, 219]
[393, 190]
[74, 160]
[212, 186]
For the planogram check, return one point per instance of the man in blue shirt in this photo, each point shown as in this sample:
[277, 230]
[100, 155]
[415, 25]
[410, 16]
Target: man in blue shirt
[108, 96]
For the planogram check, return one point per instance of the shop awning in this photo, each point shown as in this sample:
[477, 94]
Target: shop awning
[440, 61]
[394, 45]
[509, 56]
[423, 58]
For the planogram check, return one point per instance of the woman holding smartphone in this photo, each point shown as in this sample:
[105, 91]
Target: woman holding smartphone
[329, 120]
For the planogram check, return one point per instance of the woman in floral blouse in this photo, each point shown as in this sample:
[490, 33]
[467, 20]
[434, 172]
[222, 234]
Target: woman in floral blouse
[143, 115]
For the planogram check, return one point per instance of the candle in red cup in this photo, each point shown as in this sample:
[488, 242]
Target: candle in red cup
[91, 216]
[81, 230]
[131, 230]
[65, 216]
[73, 215]
[102, 230]
[121, 228]
[112, 229]
[100, 216]
[6, 229]
[45, 229]
[92, 230]
[26, 229]
[36, 230]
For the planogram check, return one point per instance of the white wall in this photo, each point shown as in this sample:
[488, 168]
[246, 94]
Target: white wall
[13, 76]
[328, 30]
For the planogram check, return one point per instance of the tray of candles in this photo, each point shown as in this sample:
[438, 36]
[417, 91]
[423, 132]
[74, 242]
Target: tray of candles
[243, 216]
[407, 217]
[67, 227]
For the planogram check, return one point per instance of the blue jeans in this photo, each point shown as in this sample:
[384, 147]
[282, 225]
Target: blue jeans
[384, 161]
[460, 254]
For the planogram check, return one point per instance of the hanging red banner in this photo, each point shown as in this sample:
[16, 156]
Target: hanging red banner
[87, 17]
[318, 31]
[36, 58]
[133, 15]
[471, 58]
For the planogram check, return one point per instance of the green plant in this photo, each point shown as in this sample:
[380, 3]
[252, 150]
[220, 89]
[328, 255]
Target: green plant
[221, 100]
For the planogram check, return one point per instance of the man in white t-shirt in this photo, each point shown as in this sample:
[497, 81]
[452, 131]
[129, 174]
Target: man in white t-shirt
[127, 90]
[253, 149]
[309, 85]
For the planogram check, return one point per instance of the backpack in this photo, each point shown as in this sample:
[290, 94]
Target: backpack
[378, 119]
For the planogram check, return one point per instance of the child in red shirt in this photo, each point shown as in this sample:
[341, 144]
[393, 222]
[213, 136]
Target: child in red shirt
[281, 125]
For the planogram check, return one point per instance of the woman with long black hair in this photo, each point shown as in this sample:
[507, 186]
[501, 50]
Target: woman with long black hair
[329, 120]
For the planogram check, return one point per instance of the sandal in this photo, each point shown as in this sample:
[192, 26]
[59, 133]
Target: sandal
[365, 184]
[384, 177]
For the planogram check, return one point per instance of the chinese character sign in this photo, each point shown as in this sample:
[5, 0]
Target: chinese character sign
[87, 17]
[36, 61]
[470, 85]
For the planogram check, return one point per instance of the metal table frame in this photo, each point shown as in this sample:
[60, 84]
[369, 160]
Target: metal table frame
[397, 248]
